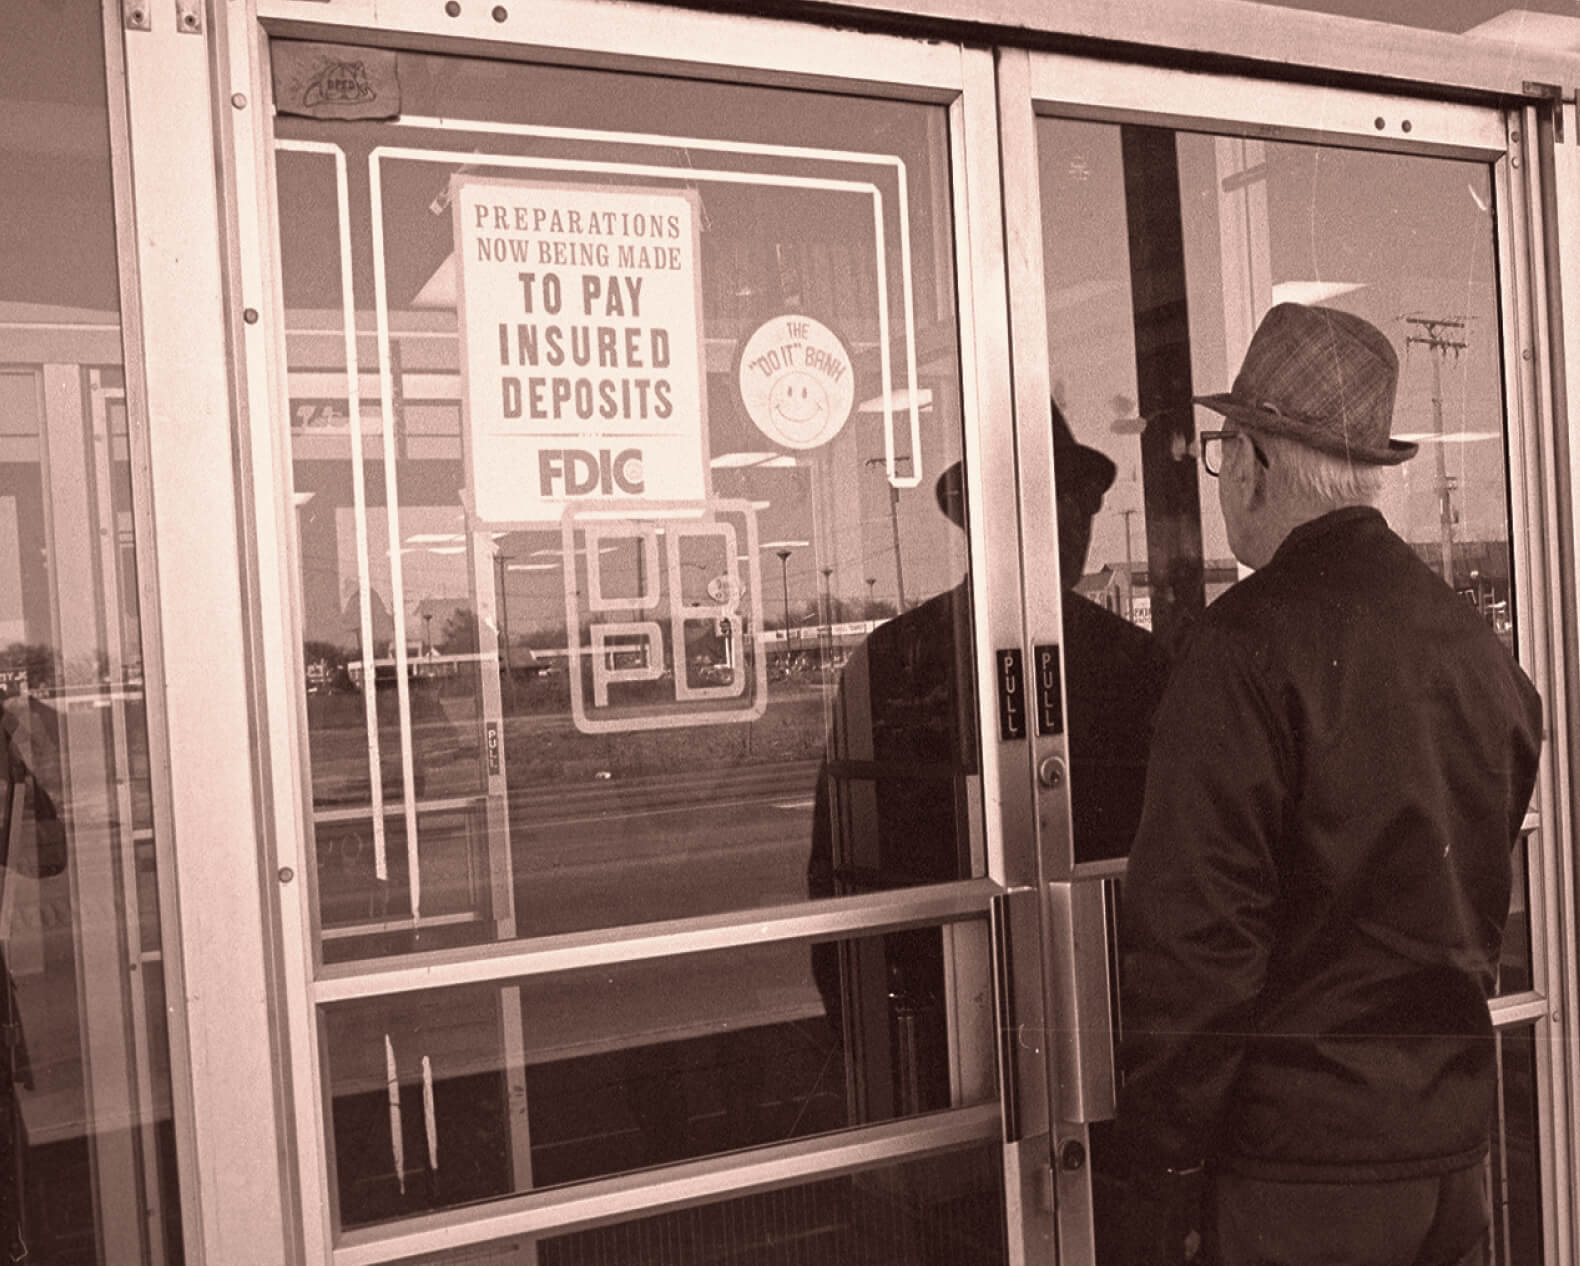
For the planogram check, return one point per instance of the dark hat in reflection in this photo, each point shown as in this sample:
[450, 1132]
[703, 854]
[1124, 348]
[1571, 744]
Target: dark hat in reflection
[1076, 468]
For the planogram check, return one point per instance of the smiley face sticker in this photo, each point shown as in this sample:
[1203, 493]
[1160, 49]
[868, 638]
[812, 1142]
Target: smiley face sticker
[796, 381]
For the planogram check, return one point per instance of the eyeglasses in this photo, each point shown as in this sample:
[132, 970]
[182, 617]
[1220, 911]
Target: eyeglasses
[1211, 443]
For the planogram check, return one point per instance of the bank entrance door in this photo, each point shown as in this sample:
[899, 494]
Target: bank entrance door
[1159, 215]
[723, 699]
[668, 878]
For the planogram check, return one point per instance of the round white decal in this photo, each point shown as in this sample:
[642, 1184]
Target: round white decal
[796, 381]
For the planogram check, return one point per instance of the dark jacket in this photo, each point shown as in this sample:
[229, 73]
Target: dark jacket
[1315, 904]
[1114, 673]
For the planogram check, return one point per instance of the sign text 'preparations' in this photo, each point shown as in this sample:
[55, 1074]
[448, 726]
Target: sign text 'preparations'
[582, 331]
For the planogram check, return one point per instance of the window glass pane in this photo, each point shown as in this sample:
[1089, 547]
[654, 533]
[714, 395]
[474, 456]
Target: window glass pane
[1515, 1162]
[933, 1211]
[622, 496]
[1514, 969]
[1162, 251]
[451, 1096]
[87, 1166]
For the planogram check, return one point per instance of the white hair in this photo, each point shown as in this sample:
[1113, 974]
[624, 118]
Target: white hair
[1301, 473]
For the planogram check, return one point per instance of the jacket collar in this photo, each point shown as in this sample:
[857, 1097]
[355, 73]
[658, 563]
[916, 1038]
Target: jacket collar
[1313, 533]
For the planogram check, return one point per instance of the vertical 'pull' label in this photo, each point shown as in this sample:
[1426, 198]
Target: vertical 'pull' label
[1050, 699]
[1011, 695]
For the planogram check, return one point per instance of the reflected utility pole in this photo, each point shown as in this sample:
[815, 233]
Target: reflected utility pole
[502, 618]
[1130, 571]
[1439, 336]
[784, 582]
[828, 619]
[894, 523]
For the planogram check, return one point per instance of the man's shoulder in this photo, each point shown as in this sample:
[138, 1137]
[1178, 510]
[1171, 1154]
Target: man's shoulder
[935, 617]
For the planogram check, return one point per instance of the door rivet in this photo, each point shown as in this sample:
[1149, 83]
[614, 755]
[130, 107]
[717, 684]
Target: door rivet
[250, 316]
[286, 874]
[239, 100]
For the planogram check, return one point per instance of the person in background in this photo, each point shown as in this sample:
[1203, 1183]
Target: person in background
[1314, 910]
[32, 842]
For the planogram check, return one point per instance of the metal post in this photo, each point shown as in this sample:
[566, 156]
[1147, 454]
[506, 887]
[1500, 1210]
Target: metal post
[1437, 344]
[784, 581]
[1130, 573]
[501, 562]
[828, 620]
[894, 525]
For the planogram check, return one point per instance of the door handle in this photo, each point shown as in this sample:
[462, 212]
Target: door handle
[1023, 1051]
[1082, 1000]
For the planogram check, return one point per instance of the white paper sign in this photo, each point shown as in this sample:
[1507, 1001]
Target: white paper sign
[580, 313]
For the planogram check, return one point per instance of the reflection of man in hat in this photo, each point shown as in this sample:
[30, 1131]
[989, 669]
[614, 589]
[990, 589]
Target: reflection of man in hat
[1114, 670]
[912, 682]
[1316, 897]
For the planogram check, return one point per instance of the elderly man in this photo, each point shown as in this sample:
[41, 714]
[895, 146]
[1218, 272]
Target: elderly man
[1317, 893]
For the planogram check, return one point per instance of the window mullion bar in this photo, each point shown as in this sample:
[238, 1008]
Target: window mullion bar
[592, 1204]
[806, 921]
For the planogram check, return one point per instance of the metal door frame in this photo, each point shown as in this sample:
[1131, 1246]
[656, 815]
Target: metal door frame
[671, 42]
[1035, 83]
[188, 94]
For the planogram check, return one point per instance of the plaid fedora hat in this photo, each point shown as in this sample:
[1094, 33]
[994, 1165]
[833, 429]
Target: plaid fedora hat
[1322, 377]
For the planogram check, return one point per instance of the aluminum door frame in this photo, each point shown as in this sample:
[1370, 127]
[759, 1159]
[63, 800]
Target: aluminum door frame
[1031, 84]
[680, 43]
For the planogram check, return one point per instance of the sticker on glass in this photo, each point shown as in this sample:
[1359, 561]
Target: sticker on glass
[663, 615]
[796, 381]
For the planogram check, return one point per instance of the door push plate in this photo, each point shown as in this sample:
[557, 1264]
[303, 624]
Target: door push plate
[1011, 694]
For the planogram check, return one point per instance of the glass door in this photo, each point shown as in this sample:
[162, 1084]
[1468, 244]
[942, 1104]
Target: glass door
[88, 1046]
[660, 904]
[1158, 234]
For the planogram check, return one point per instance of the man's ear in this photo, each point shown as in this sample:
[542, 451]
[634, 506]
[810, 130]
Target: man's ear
[1258, 477]
[1247, 478]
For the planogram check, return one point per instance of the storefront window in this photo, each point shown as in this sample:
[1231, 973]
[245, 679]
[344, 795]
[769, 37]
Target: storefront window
[626, 431]
[86, 1145]
[446, 1097]
[1162, 251]
[625, 490]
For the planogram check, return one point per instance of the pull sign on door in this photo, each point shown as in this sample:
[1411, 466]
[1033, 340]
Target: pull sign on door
[1011, 695]
[1050, 705]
